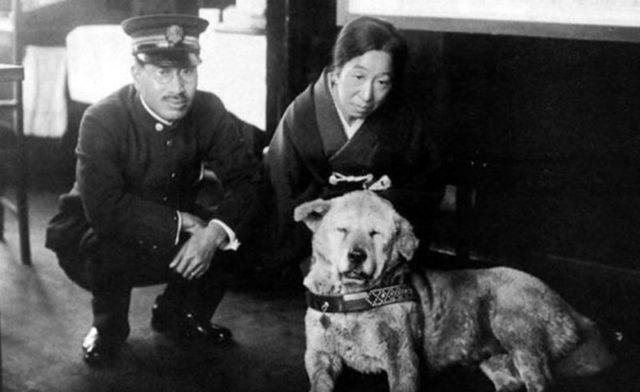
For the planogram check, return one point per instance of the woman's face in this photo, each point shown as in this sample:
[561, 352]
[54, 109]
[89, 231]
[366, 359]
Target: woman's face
[363, 83]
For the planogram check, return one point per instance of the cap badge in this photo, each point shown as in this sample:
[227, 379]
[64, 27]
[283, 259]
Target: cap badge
[174, 35]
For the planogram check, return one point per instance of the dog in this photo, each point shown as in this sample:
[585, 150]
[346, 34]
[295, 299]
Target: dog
[369, 310]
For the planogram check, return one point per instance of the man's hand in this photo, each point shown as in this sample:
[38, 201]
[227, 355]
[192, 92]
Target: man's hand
[194, 258]
[190, 222]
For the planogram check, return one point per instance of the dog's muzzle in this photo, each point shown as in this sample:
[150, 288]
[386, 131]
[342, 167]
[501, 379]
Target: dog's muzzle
[355, 274]
[357, 256]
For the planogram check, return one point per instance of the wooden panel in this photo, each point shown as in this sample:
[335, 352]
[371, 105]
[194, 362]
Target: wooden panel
[300, 34]
[11, 73]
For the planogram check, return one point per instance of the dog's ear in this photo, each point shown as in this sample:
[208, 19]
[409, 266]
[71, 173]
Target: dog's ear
[407, 242]
[311, 212]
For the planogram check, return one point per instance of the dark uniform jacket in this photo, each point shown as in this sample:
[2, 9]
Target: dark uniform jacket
[310, 145]
[133, 173]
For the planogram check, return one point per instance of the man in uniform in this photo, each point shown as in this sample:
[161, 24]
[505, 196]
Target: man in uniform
[131, 217]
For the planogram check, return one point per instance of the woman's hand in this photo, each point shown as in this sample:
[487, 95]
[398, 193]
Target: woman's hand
[195, 256]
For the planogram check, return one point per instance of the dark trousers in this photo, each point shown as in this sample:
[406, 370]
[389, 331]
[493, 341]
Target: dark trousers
[110, 270]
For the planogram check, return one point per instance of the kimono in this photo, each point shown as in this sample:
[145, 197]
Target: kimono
[311, 157]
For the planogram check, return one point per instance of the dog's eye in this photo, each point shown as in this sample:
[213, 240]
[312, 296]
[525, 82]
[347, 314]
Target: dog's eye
[373, 233]
[342, 230]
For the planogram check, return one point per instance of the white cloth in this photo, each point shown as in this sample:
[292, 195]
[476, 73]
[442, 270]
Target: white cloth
[234, 68]
[44, 101]
[99, 61]
[367, 180]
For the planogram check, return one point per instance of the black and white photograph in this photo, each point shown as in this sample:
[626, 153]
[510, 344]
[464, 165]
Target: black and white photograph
[319, 195]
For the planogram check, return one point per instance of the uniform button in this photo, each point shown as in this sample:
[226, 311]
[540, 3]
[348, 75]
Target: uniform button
[173, 175]
[169, 143]
[155, 247]
[159, 127]
[165, 199]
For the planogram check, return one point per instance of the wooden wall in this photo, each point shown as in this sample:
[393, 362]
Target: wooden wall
[300, 34]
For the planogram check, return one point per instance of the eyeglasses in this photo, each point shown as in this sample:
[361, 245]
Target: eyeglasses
[165, 75]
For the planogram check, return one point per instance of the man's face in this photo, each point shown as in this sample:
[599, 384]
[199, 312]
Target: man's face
[168, 91]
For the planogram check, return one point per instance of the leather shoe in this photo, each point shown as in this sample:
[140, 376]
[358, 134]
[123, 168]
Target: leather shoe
[97, 350]
[187, 325]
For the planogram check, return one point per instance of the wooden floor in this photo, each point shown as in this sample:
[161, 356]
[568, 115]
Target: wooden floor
[44, 317]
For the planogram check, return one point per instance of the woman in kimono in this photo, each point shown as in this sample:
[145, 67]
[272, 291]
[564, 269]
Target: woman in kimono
[351, 130]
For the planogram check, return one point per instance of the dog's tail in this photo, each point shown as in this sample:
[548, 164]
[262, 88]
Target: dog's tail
[591, 356]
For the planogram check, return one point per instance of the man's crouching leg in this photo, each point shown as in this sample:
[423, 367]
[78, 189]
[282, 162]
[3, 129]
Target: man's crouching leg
[186, 307]
[110, 280]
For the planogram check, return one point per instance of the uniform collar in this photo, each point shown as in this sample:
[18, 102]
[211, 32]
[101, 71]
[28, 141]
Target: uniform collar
[154, 114]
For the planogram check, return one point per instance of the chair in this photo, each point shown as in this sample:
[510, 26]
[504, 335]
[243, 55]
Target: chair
[13, 156]
[14, 149]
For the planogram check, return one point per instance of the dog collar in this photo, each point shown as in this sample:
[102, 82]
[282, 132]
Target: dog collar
[363, 300]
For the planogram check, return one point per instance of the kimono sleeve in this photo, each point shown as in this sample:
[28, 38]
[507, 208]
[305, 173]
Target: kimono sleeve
[292, 184]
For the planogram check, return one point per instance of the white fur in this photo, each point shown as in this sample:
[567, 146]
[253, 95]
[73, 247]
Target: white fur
[509, 323]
